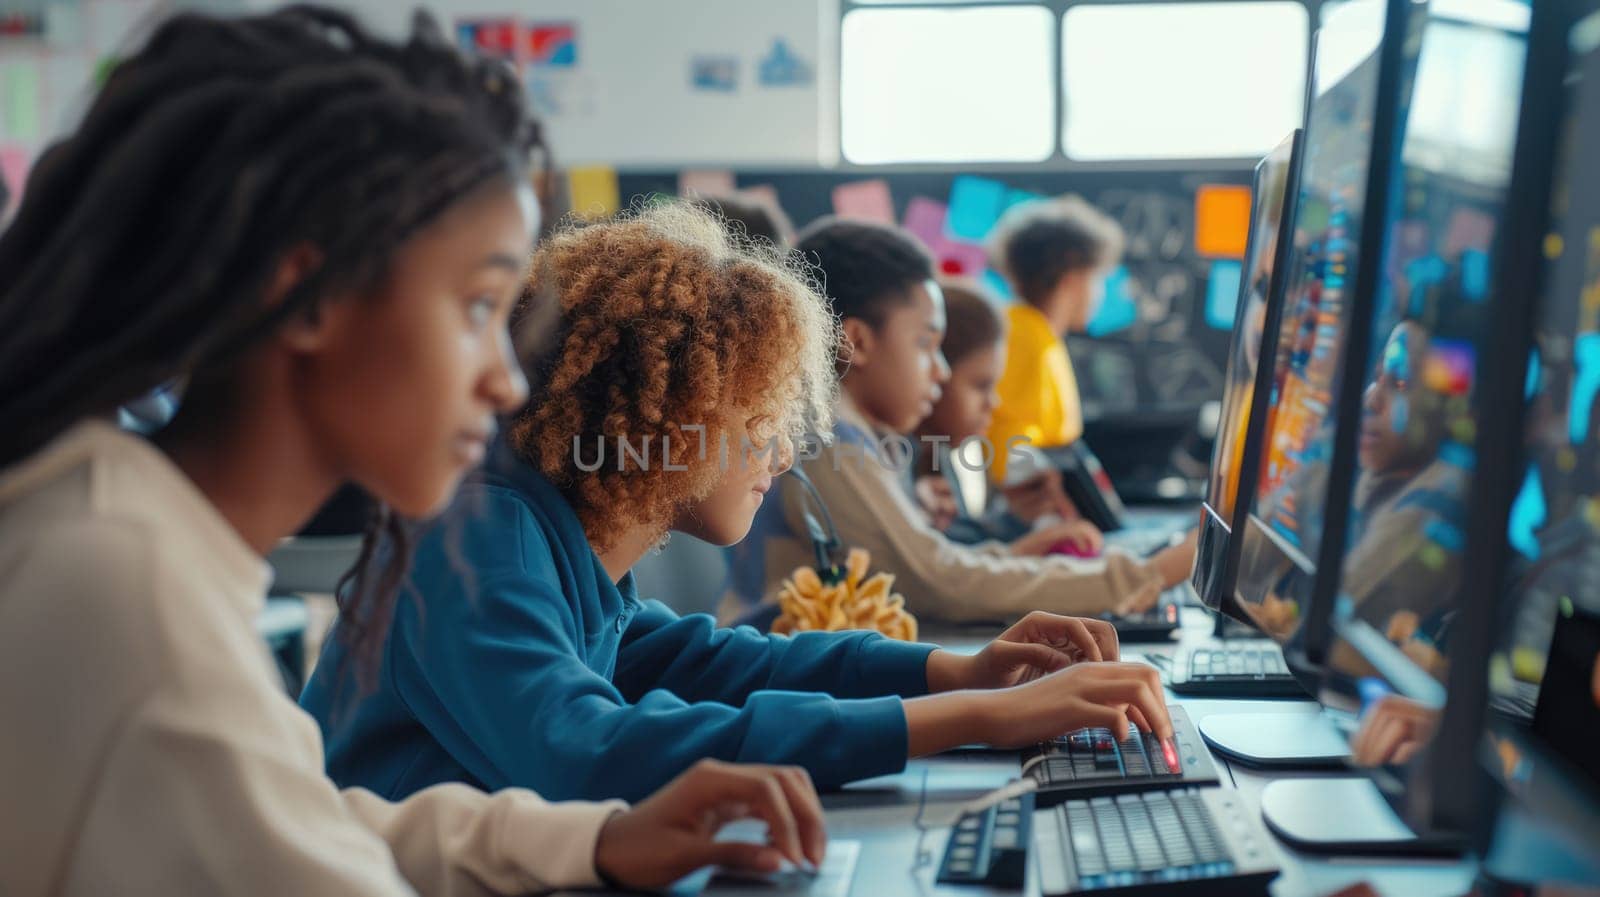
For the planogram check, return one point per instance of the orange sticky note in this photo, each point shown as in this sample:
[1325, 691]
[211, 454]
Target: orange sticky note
[1221, 220]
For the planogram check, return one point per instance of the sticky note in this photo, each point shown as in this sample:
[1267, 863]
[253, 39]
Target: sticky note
[1118, 311]
[705, 183]
[1222, 294]
[864, 201]
[996, 282]
[1469, 229]
[764, 192]
[1221, 220]
[960, 259]
[1016, 198]
[925, 217]
[975, 205]
[14, 169]
[595, 193]
[19, 101]
[1475, 275]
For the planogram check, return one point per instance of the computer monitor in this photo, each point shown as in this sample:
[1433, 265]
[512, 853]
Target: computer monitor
[1295, 512]
[1236, 457]
[1532, 606]
[1402, 577]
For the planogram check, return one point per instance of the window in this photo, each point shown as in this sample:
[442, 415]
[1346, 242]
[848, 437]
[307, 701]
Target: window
[947, 85]
[1181, 80]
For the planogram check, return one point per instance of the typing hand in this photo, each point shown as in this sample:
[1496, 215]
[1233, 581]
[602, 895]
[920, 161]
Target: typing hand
[938, 500]
[1038, 645]
[1392, 731]
[1106, 695]
[673, 832]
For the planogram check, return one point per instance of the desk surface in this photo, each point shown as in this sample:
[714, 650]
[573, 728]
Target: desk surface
[879, 812]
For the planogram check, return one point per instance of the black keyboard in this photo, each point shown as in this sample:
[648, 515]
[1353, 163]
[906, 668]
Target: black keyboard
[1092, 762]
[1189, 841]
[990, 846]
[1158, 624]
[1232, 672]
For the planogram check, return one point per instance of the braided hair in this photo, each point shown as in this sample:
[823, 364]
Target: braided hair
[147, 239]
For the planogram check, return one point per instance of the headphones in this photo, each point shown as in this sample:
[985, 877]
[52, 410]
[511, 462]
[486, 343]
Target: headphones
[824, 536]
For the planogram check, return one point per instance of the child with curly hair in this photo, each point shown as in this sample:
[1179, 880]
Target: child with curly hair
[684, 365]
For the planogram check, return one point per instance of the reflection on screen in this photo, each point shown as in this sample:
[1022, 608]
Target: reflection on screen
[1266, 218]
[1401, 574]
[1554, 529]
[1282, 536]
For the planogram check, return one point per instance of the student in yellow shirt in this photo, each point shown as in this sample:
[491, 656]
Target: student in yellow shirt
[1055, 254]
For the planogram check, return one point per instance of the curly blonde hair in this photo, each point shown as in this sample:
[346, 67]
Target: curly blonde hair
[669, 321]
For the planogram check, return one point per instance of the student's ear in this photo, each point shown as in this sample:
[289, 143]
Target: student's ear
[307, 331]
[862, 339]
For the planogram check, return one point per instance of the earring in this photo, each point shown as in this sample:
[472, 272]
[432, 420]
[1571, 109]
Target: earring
[661, 544]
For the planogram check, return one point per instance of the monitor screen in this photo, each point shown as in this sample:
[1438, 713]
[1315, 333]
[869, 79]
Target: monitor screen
[1400, 579]
[1554, 525]
[1266, 219]
[1282, 533]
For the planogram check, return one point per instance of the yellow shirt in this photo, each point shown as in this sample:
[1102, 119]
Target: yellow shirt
[1038, 391]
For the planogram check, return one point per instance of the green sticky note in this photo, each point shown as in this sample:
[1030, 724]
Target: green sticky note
[19, 102]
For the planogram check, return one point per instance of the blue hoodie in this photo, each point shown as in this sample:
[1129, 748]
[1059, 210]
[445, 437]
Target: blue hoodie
[514, 659]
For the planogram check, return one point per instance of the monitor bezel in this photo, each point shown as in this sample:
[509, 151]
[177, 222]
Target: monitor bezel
[1217, 534]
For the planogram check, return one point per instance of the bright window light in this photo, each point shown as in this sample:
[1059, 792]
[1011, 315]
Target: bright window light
[947, 85]
[1181, 80]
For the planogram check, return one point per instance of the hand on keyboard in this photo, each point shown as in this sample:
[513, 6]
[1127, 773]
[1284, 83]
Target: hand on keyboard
[1040, 644]
[674, 831]
[1105, 695]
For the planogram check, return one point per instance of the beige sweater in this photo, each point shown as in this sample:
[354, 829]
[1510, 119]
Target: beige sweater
[148, 747]
[941, 579]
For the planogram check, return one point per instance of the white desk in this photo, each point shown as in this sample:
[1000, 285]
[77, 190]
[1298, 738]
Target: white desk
[879, 813]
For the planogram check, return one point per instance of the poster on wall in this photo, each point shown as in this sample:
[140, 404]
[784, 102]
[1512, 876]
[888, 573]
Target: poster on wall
[782, 67]
[714, 73]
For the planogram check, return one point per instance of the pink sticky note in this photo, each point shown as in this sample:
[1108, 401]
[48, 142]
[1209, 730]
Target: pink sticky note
[925, 218]
[960, 259]
[765, 192]
[14, 168]
[705, 183]
[864, 200]
[1469, 229]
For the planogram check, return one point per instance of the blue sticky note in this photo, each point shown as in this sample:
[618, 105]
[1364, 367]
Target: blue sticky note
[1475, 274]
[1527, 515]
[1586, 354]
[1117, 311]
[974, 207]
[1016, 198]
[1222, 293]
[1423, 273]
[996, 282]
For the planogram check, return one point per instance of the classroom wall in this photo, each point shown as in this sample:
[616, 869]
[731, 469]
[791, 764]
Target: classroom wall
[629, 95]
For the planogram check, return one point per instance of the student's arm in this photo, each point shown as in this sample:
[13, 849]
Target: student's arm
[499, 679]
[234, 775]
[943, 580]
[695, 660]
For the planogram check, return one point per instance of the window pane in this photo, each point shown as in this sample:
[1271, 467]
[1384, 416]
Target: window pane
[947, 85]
[1182, 80]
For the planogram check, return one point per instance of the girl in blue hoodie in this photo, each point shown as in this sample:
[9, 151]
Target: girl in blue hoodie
[685, 364]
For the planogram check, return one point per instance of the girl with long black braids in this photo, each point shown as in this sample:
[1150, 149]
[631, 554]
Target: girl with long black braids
[318, 236]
